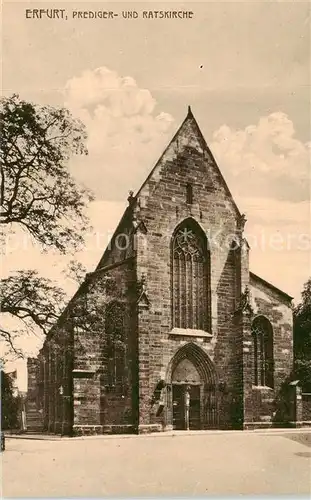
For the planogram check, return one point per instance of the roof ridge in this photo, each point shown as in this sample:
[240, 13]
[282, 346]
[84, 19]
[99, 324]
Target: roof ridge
[270, 285]
[190, 116]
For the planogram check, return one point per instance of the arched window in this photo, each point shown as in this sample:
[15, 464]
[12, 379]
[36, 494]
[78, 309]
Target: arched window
[190, 277]
[115, 345]
[263, 352]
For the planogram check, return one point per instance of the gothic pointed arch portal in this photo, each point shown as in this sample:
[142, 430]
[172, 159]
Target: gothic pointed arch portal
[192, 390]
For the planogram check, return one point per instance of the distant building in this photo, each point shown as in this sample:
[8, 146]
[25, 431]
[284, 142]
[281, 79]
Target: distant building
[171, 330]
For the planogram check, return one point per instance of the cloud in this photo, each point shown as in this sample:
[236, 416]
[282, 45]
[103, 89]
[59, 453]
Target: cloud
[265, 165]
[268, 172]
[264, 160]
[126, 136]
[281, 215]
[278, 233]
[125, 132]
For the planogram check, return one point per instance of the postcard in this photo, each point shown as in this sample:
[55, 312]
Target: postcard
[156, 285]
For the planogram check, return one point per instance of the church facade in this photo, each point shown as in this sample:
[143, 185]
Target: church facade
[171, 330]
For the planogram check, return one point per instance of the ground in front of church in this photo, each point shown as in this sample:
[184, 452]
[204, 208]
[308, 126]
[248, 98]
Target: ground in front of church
[228, 463]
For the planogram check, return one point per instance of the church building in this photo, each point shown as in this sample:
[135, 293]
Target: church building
[171, 330]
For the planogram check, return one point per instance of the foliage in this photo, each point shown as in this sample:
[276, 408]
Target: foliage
[302, 338]
[9, 403]
[39, 195]
[37, 191]
[33, 299]
[75, 271]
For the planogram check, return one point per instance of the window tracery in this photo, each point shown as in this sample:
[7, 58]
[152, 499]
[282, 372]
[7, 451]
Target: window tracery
[263, 352]
[190, 277]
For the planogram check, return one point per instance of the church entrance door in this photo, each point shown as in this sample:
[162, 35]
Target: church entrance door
[192, 395]
[186, 407]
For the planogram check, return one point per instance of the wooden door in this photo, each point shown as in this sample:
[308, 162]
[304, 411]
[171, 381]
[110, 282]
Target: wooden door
[178, 407]
[194, 410]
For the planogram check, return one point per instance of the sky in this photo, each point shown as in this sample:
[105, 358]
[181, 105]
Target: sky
[244, 67]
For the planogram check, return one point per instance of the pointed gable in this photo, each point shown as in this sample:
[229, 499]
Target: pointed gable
[189, 138]
[187, 142]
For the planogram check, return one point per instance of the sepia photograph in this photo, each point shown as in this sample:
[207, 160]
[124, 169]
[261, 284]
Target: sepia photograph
[155, 336]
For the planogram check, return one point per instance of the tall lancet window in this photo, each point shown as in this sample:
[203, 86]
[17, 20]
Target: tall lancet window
[190, 277]
[115, 345]
[263, 352]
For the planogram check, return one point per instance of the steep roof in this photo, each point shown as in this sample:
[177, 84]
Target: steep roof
[124, 221]
[190, 119]
[267, 284]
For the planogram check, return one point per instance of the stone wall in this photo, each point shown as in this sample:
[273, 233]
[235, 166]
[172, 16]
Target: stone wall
[97, 401]
[71, 369]
[55, 358]
[161, 206]
[276, 307]
[94, 385]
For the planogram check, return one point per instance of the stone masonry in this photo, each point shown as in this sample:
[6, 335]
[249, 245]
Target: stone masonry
[157, 338]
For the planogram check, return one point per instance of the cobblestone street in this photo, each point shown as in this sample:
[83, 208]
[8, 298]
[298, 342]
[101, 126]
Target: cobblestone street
[197, 464]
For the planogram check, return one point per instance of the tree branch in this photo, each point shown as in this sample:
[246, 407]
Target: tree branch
[7, 337]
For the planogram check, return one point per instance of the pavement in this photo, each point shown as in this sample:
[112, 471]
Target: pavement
[58, 437]
[179, 463]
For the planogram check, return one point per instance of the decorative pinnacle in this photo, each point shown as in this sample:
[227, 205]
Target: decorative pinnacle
[130, 197]
[189, 115]
[243, 221]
